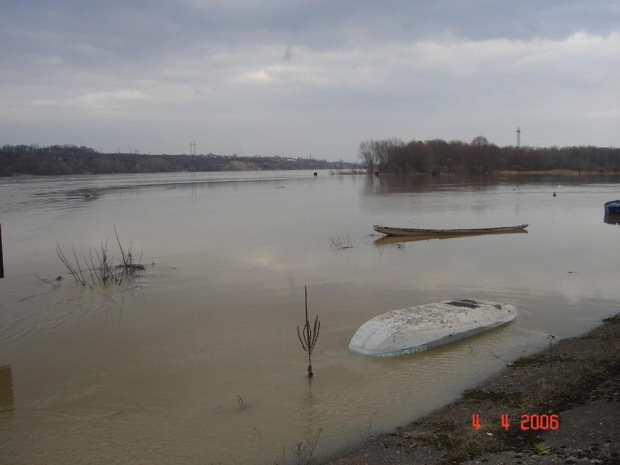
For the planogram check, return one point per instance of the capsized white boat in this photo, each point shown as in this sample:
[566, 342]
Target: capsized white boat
[414, 329]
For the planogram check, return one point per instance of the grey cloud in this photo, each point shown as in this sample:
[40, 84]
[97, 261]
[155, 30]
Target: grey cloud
[140, 34]
[344, 69]
[288, 54]
[167, 25]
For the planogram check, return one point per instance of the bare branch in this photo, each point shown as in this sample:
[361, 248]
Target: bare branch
[308, 335]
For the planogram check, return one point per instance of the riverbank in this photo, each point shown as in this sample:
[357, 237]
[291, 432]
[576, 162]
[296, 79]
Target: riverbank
[576, 382]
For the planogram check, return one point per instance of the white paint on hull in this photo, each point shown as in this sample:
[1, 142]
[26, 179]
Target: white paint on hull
[415, 329]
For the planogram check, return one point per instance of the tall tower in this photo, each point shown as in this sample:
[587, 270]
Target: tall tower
[518, 137]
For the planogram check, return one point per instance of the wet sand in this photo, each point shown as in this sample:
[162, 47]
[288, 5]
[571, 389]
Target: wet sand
[576, 379]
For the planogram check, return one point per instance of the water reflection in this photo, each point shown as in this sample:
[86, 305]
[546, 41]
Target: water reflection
[390, 184]
[391, 240]
[612, 219]
[6, 391]
[309, 413]
[394, 183]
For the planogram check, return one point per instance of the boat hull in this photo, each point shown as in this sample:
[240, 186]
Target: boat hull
[447, 232]
[415, 329]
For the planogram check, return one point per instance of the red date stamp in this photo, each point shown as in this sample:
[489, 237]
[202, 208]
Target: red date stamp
[534, 421]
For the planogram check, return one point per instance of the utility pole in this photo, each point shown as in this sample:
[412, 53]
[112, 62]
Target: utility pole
[192, 148]
[518, 137]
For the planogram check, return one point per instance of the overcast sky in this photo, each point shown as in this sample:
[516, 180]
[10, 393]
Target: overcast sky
[301, 78]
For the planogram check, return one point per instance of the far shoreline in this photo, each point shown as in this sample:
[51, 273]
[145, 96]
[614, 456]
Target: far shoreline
[553, 172]
[343, 172]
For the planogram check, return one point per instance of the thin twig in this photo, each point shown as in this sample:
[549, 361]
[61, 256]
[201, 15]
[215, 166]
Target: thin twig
[120, 246]
[66, 262]
[46, 281]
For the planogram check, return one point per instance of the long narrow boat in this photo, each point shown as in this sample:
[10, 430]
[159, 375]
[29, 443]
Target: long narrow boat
[447, 232]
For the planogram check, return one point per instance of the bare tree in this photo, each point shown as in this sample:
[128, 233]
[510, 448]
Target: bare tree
[367, 154]
[383, 149]
[479, 141]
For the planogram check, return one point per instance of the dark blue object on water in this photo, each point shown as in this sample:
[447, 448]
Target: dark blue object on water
[612, 207]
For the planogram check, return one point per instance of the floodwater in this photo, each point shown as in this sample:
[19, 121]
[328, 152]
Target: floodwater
[197, 361]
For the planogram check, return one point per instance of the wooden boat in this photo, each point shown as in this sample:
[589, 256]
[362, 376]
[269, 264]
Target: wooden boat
[415, 329]
[447, 232]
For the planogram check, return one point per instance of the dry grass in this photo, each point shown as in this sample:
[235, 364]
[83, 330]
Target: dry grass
[352, 172]
[303, 451]
[340, 241]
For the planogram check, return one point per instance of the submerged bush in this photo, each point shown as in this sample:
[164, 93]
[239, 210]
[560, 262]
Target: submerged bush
[100, 268]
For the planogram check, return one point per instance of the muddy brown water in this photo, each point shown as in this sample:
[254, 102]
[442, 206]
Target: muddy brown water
[197, 360]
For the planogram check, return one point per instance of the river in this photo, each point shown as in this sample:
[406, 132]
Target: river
[197, 360]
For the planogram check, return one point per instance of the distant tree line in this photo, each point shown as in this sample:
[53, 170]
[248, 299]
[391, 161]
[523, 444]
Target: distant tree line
[481, 157]
[69, 159]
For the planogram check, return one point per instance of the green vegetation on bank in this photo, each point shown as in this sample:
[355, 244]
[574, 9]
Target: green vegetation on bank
[481, 157]
[69, 159]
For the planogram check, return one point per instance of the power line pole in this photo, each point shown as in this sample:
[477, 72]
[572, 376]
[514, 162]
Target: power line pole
[518, 137]
[192, 148]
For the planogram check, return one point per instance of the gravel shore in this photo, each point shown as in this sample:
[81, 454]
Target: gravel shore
[577, 382]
